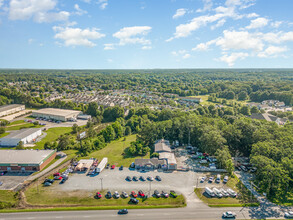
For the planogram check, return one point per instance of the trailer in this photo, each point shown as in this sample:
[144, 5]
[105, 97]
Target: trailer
[102, 165]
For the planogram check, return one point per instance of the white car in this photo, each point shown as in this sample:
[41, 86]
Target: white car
[150, 178]
[1, 183]
[229, 215]
[289, 214]
[116, 195]
[203, 179]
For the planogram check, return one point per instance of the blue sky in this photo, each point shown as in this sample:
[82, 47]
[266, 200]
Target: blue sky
[97, 34]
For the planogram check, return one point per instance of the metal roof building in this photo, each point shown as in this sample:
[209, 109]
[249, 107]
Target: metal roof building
[56, 114]
[25, 160]
[25, 135]
[10, 109]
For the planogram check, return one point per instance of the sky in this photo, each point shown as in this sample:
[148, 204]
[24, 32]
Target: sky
[146, 34]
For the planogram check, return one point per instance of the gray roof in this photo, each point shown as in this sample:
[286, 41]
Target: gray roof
[24, 156]
[21, 133]
[162, 145]
[57, 111]
[170, 157]
[8, 107]
[153, 161]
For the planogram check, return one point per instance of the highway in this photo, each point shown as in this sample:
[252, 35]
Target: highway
[263, 212]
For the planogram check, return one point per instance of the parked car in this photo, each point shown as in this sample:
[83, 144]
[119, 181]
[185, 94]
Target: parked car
[150, 178]
[128, 178]
[164, 194]
[116, 195]
[49, 181]
[133, 194]
[112, 167]
[47, 184]
[142, 178]
[202, 179]
[229, 215]
[225, 180]
[109, 195]
[124, 194]
[224, 192]
[218, 179]
[121, 168]
[211, 179]
[3, 173]
[63, 180]
[135, 178]
[141, 194]
[132, 165]
[173, 193]
[288, 214]
[123, 211]
[108, 165]
[158, 178]
[157, 194]
[231, 192]
[98, 195]
[1, 183]
[57, 177]
[133, 200]
[56, 174]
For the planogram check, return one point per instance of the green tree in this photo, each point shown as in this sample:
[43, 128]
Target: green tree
[242, 96]
[20, 146]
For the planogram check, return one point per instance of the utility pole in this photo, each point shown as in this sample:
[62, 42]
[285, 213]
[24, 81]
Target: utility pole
[250, 191]
[101, 184]
[197, 183]
[150, 189]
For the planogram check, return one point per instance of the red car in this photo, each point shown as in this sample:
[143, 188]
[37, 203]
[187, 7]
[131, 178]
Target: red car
[56, 174]
[112, 167]
[57, 177]
[134, 195]
[141, 194]
[98, 195]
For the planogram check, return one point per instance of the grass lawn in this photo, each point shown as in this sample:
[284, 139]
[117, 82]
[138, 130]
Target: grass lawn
[20, 124]
[48, 197]
[7, 198]
[287, 201]
[237, 186]
[52, 135]
[117, 153]
[16, 123]
[4, 134]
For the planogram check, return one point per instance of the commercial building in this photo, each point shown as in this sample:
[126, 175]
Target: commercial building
[162, 146]
[149, 164]
[10, 109]
[84, 165]
[25, 135]
[25, 160]
[170, 160]
[56, 114]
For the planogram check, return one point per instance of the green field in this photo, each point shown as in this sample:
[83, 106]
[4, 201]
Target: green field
[116, 151]
[4, 134]
[7, 199]
[20, 124]
[237, 186]
[44, 196]
[52, 135]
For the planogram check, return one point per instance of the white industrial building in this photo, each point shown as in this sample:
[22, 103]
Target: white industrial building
[56, 114]
[10, 109]
[25, 135]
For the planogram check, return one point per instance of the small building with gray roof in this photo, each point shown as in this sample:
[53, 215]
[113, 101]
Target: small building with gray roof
[27, 136]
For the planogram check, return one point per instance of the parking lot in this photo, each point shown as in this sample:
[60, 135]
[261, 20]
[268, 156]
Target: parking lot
[12, 180]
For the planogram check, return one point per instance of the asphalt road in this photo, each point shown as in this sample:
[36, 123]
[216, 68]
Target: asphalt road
[160, 214]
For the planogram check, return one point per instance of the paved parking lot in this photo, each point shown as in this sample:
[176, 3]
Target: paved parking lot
[12, 180]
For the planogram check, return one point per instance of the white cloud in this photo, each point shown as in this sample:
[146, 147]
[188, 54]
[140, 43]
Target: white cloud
[77, 36]
[180, 12]
[208, 4]
[219, 24]
[272, 51]
[257, 23]
[40, 11]
[201, 47]
[276, 24]
[133, 35]
[237, 40]
[181, 53]
[146, 48]
[103, 4]
[1, 3]
[186, 56]
[79, 11]
[252, 15]
[109, 47]
[230, 59]
[30, 41]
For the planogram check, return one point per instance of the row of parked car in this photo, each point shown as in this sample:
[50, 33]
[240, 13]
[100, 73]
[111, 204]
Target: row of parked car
[217, 179]
[135, 195]
[215, 192]
[142, 178]
[58, 176]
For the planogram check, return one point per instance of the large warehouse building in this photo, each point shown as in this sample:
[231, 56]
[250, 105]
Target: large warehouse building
[25, 135]
[25, 160]
[10, 109]
[56, 114]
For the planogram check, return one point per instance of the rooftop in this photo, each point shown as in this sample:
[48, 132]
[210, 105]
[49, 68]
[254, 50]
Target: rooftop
[24, 156]
[153, 161]
[162, 145]
[9, 107]
[21, 133]
[169, 156]
[57, 111]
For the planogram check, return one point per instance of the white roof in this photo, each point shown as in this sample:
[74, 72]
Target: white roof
[56, 111]
[24, 156]
[23, 133]
[169, 156]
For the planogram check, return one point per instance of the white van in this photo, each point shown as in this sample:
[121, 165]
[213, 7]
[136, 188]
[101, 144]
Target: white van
[218, 180]
[231, 192]
[209, 192]
[224, 192]
[217, 192]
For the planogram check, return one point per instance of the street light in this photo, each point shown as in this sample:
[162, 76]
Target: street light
[101, 184]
